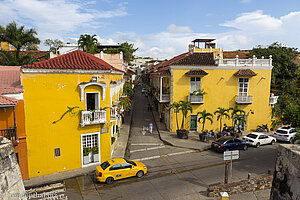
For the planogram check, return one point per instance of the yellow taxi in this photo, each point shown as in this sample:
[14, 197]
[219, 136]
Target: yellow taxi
[119, 168]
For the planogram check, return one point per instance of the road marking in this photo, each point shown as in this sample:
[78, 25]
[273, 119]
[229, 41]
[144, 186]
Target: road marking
[144, 144]
[146, 149]
[170, 154]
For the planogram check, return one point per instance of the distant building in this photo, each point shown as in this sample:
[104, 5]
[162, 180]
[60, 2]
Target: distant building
[5, 46]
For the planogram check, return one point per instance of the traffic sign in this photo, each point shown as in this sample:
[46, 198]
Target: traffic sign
[231, 155]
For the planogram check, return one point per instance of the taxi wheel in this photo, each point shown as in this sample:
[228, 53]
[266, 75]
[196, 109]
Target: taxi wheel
[140, 174]
[257, 145]
[273, 142]
[109, 180]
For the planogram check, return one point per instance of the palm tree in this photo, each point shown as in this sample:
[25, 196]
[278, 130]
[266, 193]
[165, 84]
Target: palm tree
[239, 119]
[185, 107]
[235, 111]
[18, 37]
[205, 116]
[88, 43]
[176, 106]
[8, 59]
[221, 112]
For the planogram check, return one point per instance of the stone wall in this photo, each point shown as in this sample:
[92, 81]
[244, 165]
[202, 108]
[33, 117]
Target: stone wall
[286, 182]
[254, 184]
[11, 184]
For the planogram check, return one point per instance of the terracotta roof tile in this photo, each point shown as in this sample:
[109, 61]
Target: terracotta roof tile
[198, 72]
[10, 80]
[7, 101]
[196, 59]
[74, 60]
[233, 54]
[163, 72]
[245, 72]
[172, 60]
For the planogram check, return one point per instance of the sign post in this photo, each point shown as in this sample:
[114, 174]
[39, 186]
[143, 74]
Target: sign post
[229, 155]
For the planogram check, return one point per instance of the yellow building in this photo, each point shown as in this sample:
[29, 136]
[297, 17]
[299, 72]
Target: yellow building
[5, 46]
[226, 83]
[70, 112]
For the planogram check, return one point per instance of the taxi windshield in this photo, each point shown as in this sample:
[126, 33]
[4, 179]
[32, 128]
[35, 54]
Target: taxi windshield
[130, 162]
[105, 165]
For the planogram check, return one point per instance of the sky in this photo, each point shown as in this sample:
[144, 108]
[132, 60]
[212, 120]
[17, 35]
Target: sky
[160, 28]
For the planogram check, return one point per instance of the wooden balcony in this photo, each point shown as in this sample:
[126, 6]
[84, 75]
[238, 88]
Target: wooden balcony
[9, 133]
[196, 99]
[244, 99]
[93, 117]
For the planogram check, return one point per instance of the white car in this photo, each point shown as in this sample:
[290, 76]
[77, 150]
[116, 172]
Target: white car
[144, 90]
[285, 134]
[257, 139]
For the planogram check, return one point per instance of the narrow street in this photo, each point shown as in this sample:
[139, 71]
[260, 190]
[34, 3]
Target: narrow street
[173, 173]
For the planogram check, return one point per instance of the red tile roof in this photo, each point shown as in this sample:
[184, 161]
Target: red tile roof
[245, 72]
[172, 60]
[233, 54]
[198, 72]
[10, 80]
[163, 72]
[196, 59]
[74, 60]
[7, 101]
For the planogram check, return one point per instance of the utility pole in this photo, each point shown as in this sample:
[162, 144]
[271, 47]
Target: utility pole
[226, 172]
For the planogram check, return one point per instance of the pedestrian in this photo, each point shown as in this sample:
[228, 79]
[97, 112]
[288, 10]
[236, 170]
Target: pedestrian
[148, 107]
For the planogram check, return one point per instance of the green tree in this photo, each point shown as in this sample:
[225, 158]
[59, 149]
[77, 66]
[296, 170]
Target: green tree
[235, 111]
[176, 107]
[88, 43]
[221, 112]
[53, 44]
[240, 120]
[8, 58]
[127, 89]
[285, 71]
[19, 37]
[184, 107]
[127, 49]
[203, 117]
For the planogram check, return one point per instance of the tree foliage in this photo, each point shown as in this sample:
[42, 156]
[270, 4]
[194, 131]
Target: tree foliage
[19, 37]
[127, 49]
[204, 115]
[88, 43]
[127, 89]
[53, 44]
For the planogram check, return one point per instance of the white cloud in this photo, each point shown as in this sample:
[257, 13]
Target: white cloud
[55, 17]
[249, 29]
[179, 29]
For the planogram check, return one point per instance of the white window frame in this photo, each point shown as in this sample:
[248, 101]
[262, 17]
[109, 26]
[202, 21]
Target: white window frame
[239, 87]
[97, 97]
[81, 148]
[199, 82]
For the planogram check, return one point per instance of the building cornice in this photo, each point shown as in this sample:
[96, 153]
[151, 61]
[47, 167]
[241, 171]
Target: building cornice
[68, 71]
[221, 67]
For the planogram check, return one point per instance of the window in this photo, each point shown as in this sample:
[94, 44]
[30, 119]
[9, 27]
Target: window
[126, 166]
[92, 101]
[237, 141]
[57, 152]
[195, 84]
[115, 167]
[243, 86]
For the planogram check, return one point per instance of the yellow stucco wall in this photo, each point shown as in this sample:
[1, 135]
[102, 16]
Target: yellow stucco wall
[222, 87]
[46, 99]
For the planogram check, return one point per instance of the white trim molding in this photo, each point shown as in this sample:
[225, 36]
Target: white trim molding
[82, 86]
[68, 71]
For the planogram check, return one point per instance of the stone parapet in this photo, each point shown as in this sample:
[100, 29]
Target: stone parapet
[286, 183]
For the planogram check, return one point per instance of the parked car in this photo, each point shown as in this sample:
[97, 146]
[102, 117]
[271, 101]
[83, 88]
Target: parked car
[285, 134]
[257, 139]
[119, 168]
[228, 143]
[144, 90]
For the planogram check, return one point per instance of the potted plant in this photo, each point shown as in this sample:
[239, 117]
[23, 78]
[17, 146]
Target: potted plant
[95, 154]
[184, 107]
[86, 152]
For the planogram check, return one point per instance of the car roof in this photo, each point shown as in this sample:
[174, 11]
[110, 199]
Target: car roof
[116, 161]
[257, 133]
[286, 128]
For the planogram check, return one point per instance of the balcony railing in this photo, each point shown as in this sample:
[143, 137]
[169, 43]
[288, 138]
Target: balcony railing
[9, 133]
[244, 62]
[113, 112]
[196, 99]
[273, 100]
[244, 99]
[93, 117]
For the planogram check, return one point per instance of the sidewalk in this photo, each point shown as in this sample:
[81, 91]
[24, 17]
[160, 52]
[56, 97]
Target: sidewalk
[119, 152]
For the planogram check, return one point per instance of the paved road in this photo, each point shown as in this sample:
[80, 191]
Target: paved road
[174, 173]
